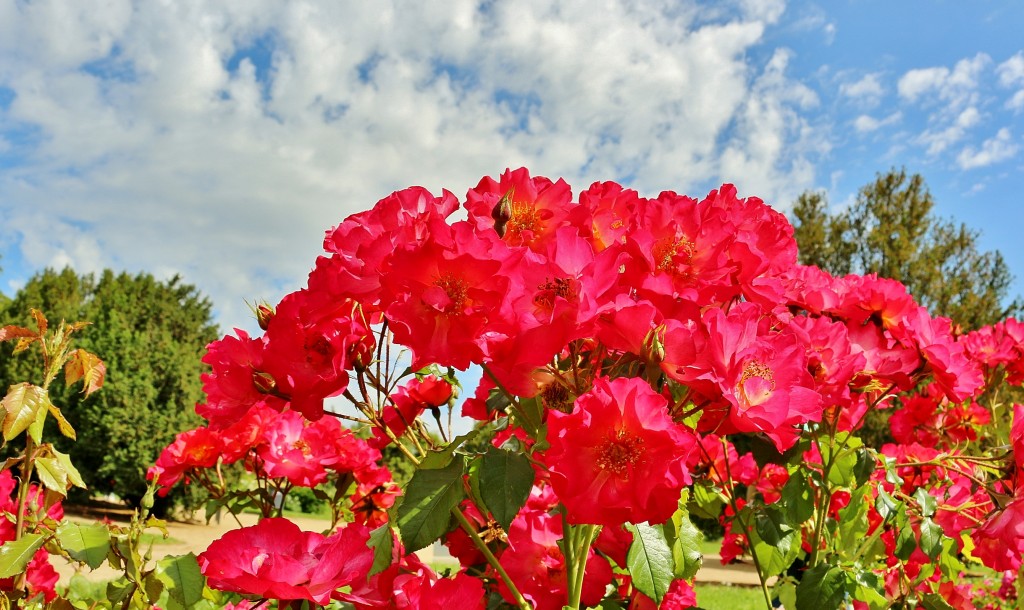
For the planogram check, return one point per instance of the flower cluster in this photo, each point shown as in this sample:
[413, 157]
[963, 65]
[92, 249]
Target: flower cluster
[644, 359]
[40, 576]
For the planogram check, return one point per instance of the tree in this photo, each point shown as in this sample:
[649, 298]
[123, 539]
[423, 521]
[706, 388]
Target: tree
[890, 230]
[152, 335]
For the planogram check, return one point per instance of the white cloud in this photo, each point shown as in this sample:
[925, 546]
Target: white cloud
[1016, 103]
[157, 152]
[938, 140]
[993, 150]
[866, 124]
[868, 88]
[956, 85]
[1011, 71]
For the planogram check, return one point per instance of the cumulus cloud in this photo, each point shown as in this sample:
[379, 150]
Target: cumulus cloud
[993, 150]
[938, 140]
[869, 88]
[865, 123]
[1016, 103]
[1011, 71]
[220, 141]
[956, 85]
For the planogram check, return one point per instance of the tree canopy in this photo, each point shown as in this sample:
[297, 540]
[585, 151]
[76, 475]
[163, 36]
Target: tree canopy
[151, 334]
[891, 230]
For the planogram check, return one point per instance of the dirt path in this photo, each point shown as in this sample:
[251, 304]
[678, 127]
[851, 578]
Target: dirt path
[196, 536]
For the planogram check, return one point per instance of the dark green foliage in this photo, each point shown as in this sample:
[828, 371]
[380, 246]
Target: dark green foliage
[152, 335]
[890, 230]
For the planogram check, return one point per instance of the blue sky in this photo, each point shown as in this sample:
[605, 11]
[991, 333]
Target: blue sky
[220, 140]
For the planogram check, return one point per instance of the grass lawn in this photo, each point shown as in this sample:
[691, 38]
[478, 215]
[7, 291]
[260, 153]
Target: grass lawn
[725, 597]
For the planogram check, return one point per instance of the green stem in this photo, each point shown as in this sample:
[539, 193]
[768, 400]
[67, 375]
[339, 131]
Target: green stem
[516, 407]
[588, 534]
[491, 559]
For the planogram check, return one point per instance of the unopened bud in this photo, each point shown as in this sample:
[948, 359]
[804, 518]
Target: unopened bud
[502, 212]
[264, 382]
[654, 346]
[263, 315]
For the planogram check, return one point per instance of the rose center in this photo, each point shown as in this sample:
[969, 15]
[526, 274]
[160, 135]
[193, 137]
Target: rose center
[456, 289]
[666, 250]
[756, 384]
[619, 452]
[552, 289]
[524, 218]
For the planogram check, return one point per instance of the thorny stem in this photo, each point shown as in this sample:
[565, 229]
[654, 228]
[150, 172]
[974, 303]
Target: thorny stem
[744, 523]
[491, 559]
[514, 401]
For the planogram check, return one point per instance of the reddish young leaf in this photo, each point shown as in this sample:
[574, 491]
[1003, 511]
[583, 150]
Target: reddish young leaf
[40, 320]
[16, 332]
[86, 366]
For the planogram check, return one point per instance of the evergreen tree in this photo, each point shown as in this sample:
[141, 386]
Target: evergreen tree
[890, 230]
[152, 335]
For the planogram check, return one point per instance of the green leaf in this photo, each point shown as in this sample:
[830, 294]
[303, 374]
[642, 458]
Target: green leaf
[35, 429]
[65, 461]
[382, 542]
[52, 474]
[798, 498]
[183, 580]
[86, 543]
[931, 538]
[497, 401]
[65, 427]
[885, 504]
[905, 543]
[867, 587]
[706, 501]
[949, 563]
[649, 560]
[22, 403]
[844, 462]
[775, 542]
[506, 479]
[853, 521]
[926, 501]
[15, 554]
[425, 511]
[823, 587]
[934, 601]
[686, 554]
[865, 466]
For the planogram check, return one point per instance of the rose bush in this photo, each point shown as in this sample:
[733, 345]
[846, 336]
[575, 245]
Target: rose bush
[643, 360]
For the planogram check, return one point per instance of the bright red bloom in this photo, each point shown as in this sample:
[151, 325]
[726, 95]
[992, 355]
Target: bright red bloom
[680, 595]
[760, 371]
[375, 493]
[719, 462]
[194, 449]
[536, 207]
[618, 456]
[276, 560]
[364, 241]
[408, 402]
[773, 478]
[302, 452]
[40, 577]
[309, 357]
[999, 542]
[446, 291]
[236, 382]
[958, 376]
[613, 212]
